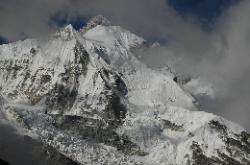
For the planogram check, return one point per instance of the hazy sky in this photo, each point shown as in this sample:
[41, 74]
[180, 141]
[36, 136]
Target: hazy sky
[210, 37]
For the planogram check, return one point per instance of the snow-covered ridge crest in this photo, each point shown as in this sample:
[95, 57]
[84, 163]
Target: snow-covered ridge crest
[85, 94]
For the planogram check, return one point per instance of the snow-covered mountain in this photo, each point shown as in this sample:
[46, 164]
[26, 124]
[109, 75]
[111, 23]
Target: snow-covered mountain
[85, 95]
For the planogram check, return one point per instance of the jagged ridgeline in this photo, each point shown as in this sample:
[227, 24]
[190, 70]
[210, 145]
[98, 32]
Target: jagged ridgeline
[87, 98]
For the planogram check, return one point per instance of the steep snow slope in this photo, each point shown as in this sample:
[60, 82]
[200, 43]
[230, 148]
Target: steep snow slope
[86, 95]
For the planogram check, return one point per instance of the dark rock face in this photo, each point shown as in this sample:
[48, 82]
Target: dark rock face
[33, 51]
[181, 79]
[81, 60]
[32, 85]
[12, 68]
[216, 125]
[115, 110]
[57, 158]
[200, 159]
[169, 125]
[45, 79]
[63, 95]
[102, 54]
[236, 147]
[120, 85]
[98, 20]
[241, 141]
[198, 156]
[61, 98]
[97, 131]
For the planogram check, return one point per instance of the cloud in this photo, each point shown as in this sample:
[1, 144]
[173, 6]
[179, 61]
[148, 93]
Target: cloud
[149, 18]
[222, 58]
[63, 18]
[230, 73]
[26, 17]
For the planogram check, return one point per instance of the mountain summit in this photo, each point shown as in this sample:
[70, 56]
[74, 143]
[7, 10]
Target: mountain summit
[86, 96]
[98, 20]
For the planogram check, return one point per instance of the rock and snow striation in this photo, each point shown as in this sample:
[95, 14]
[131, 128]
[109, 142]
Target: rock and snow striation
[86, 95]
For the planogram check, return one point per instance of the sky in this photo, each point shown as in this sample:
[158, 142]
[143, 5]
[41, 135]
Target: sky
[210, 38]
[31, 18]
[207, 11]
[3, 40]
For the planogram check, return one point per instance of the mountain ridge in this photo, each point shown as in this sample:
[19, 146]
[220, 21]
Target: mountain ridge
[85, 94]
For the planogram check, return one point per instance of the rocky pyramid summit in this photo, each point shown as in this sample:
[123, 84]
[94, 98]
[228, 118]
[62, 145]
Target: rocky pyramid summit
[98, 20]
